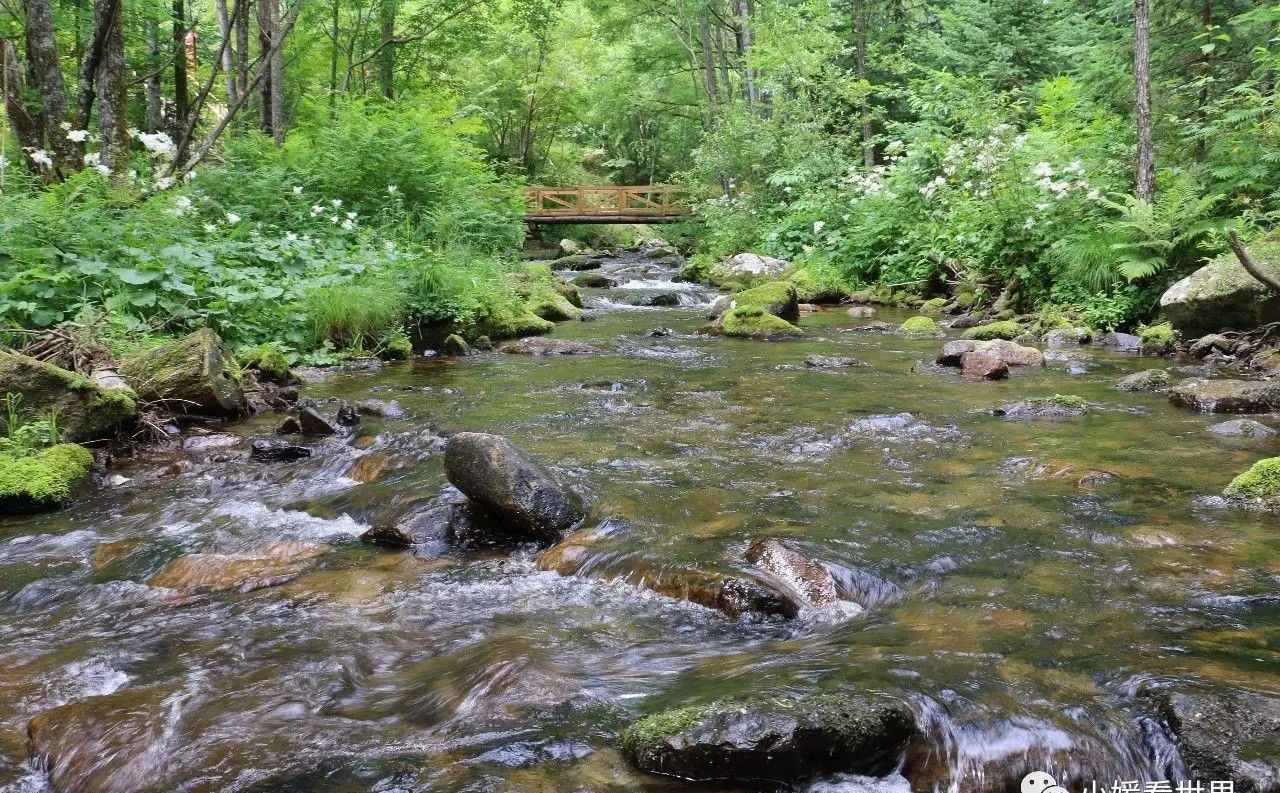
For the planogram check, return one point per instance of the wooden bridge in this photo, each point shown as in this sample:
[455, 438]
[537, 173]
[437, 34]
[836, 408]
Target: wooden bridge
[640, 204]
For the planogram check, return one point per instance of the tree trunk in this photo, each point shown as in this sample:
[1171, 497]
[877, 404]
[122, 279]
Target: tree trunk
[111, 88]
[228, 51]
[333, 59]
[24, 124]
[708, 60]
[155, 114]
[860, 48]
[387, 56]
[744, 52]
[276, 64]
[1146, 166]
[1206, 70]
[46, 80]
[264, 44]
[722, 51]
[242, 48]
[181, 92]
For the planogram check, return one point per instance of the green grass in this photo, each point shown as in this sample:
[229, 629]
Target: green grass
[352, 316]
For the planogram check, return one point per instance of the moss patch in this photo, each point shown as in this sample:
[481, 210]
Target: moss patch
[1157, 339]
[920, 326]
[85, 412]
[1262, 480]
[776, 297]
[818, 286]
[1069, 401]
[268, 359]
[1008, 330]
[654, 729]
[756, 323]
[42, 480]
[934, 305]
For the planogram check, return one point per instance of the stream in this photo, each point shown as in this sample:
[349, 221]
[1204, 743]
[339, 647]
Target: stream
[1034, 598]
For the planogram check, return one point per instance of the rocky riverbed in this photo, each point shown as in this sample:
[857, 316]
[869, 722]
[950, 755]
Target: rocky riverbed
[827, 563]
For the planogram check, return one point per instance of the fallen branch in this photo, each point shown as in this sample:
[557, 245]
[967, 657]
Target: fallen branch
[1266, 279]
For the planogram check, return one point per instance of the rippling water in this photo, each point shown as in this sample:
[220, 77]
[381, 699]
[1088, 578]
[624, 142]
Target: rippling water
[1028, 611]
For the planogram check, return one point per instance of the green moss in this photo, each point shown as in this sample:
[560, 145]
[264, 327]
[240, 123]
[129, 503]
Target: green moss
[753, 322]
[1157, 338]
[569, 292]
[508, 324]
[920, 326]
[85, 412]
[1069, 401]
[776, 297]
[1006, 329]
[396, 347]
[697, 269]
[934, 305]
[965, 300]
[44, 479]
[819, 285]
[552, 306]
[1262, 480]
[654, 729]
[268, 359]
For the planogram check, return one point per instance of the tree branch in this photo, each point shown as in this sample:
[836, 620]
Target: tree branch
[1267, 279]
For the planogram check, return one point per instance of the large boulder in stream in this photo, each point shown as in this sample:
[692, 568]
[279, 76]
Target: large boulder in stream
[86, 410]
[1007, 352]
[747, 267]
[773, 739]
[1224, 734]
[499, 479]
[188, 376]
[1222, 295]
[1258, 487]
[1227, 396]
[539, 346]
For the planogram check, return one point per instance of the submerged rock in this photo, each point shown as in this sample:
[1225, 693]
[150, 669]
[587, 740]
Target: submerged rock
[831, 362]
[1123, 342]
[189, 376]
[861, 312]
[86, 411]
[1225, 735]
[775, 740]
[1056, 406]
[1242, 428]
[1151, 380]
[1227, 396]
[429, 527]
[43, 480]
[382, 408]
[276, 564]
[877, 326]
[542, 346]
[1065, 338]
[276, 450]
[805, 579]
[502, 481]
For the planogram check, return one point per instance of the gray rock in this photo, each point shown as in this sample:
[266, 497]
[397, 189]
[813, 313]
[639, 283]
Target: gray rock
[86, 411]
[1151, 380]
[1053, 407]
[749, 265]
[276, 450]
[1064, 338]
[1206, 345]
[861, 312]
[1011, 353]
[502, 481]
[1227, 396]
[831, 362]
[983, 365]
[188, 376]
[1232, 734]
[536, 345]
[773, 739]
[1222, 295]
[1123, 342]
[384, 408]
[1242, 428]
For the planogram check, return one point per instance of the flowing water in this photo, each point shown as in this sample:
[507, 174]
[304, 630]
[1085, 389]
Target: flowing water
[1031, 610]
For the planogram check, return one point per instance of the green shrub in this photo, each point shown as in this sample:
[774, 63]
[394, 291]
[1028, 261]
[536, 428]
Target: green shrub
[1157, 339]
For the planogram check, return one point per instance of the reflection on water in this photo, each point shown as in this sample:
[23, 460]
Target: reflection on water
[1019, 610]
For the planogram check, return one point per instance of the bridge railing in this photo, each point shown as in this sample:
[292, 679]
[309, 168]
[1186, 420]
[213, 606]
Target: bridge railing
[637, 201]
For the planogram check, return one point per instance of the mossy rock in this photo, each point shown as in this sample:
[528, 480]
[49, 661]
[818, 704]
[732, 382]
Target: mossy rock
[397, 348]
[510, 325]
[552, 306]
[576, 261]
[43, 480]
[776, 297]
[85, 411]
[268, 360]
[1005, 329]
[569, 292]
[965, 300]
[755, 323]
[1222, 295]
[934, 305]
[920, 326]
[455, 345]
[1157, 339]
[190, 375]
[773, 738]
[593, 281]
[1260, 485]
[811, 289]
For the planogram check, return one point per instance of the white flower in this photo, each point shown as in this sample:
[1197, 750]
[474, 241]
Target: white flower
[4, 161]
[291, 237]
[233, 218]
[392, 189]
[316, 210]
[297, 189]
[389, 246]
[189, 176]
[351, 216]
[337, 202]
[158, 143]
[1043, 170]
[333, 219]
[210, 228]
[1030, 222]
[181, 205]
[164, 183]
[93, 158]
[134, 132]
[787, 189]
[818, 226]
[1094, 195]
[66, 125]
[348, 224]
[40, 157]
[78, 135]
[1076, 167]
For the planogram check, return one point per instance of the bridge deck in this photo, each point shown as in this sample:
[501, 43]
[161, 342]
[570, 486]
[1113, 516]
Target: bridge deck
[634, 204]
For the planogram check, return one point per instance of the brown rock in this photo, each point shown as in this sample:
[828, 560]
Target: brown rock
[806, 579]
[244, 572]
[536, 345]
[370, 468]
[983, 366]
[861, 312]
